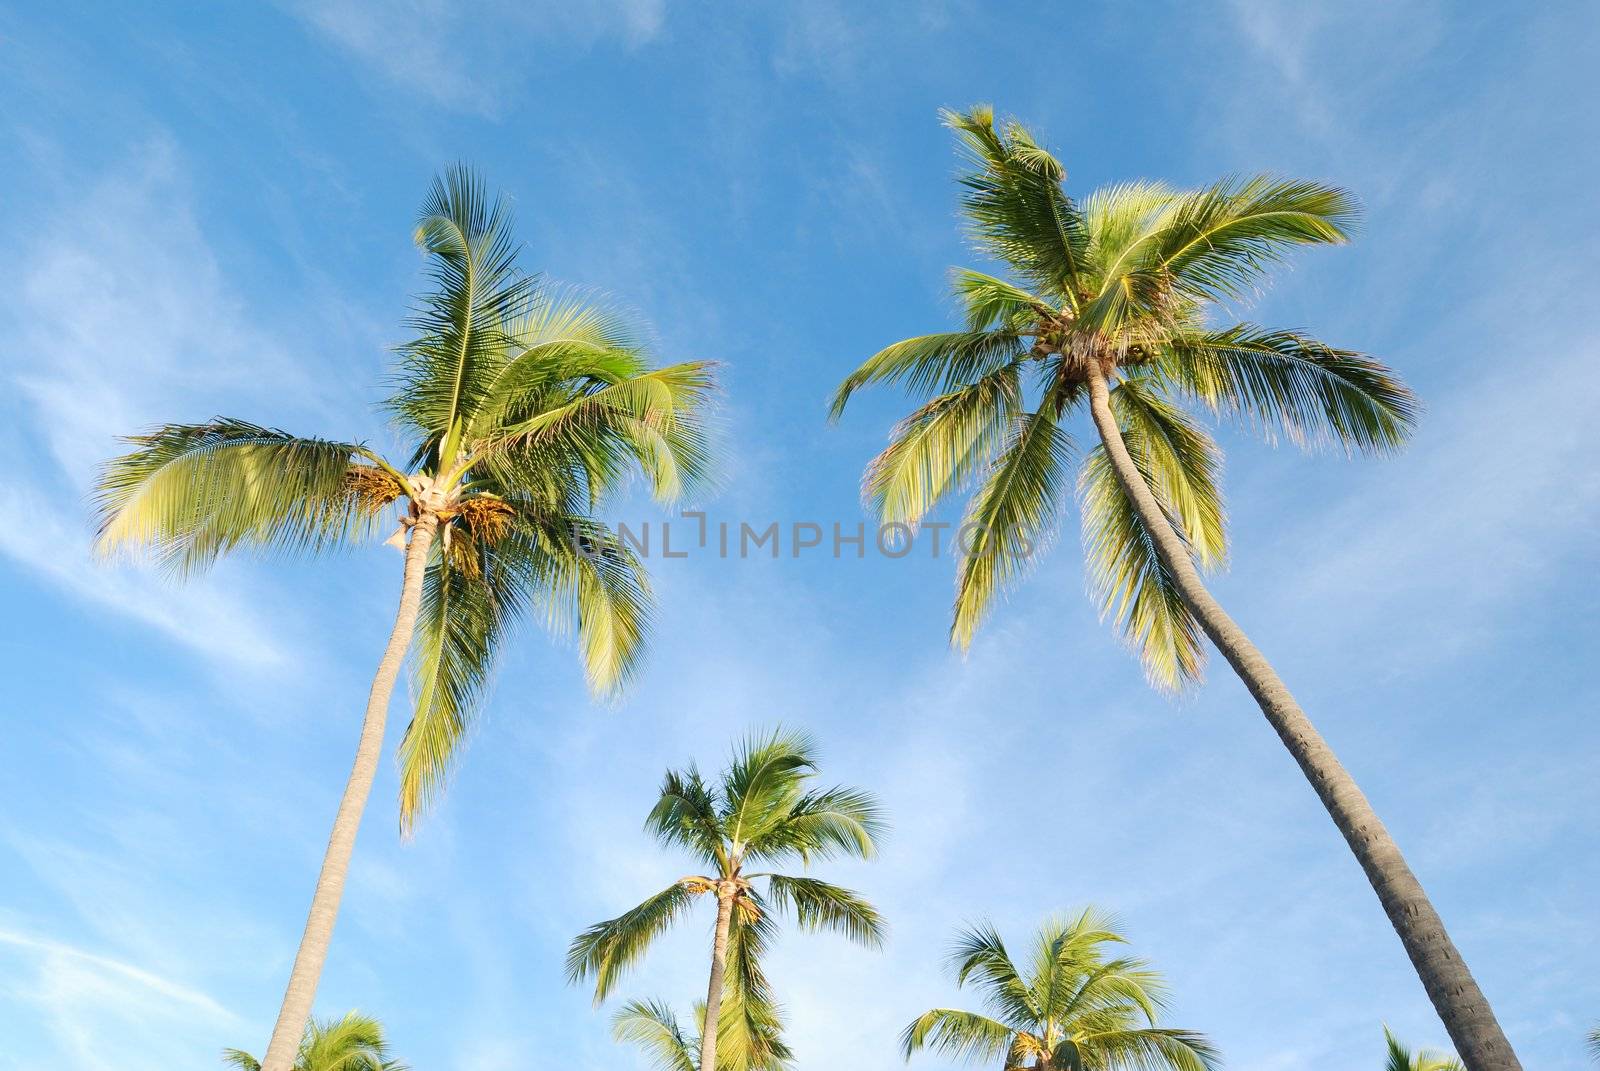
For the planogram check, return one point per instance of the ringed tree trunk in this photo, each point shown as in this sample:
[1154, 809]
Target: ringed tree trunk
[313, 952]
[1478, 1039]
[719, 964]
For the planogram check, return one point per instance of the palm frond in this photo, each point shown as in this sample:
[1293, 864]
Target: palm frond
[461, 326]
[960, 1035]
[1182, 463]
[686, 815]
[1283, 381]
[1215, 243]
[979, 954]
[819, 905]
[989, 302]
[1133, 586]
[597, 584]
[606, 950]
[190, 493]
[764, 780]
[1150, 1048]
[653, 1027]
[1015, 206]
[933, 364]
[1400, 1058]
[240, 1059]
[942, 446]
[1010, 517]
[822, 824]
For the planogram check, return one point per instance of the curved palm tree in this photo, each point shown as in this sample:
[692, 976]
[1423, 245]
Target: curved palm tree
[762, 811]
[523, 407]
[654, 1027]
[1110, 308]
[1403, 1059]
[354, 1043]
[1077, 1007]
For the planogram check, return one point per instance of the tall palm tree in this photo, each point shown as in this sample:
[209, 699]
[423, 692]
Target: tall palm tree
[764, 810]
[523, 407]
[1076, 1007]
[1403, 1059]
[1113, 303]
[654, 1027]
[354, 1043]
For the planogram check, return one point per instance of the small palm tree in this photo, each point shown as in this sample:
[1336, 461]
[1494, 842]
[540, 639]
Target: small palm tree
[523, 407]
[354, 1043]
[653, 1026]
[1078, 1008]
[762, 811]
[1403, 1059]
[1112, 309]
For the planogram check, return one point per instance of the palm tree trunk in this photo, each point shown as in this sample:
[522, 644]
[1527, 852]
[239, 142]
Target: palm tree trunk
[719, 964]
[1467, 1016]
[313, 951]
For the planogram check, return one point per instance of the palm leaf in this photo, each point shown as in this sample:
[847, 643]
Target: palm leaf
[607, 949]
[933, 364]
[653, 1027]
[960, 1035]
[819, 905]
[1181, 462]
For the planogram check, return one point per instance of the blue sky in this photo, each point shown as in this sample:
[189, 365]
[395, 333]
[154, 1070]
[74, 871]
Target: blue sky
[207, 210]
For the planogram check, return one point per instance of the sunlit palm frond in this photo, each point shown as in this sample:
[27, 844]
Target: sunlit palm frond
[606, 950]
[461, 325]
[1015, 205]
[822, 824]
[1133, 586]
[942, 446]
[240, 1059]
[192, 492]
[1216, 242]
[979, 955]
[933, 364]
[960, 1035]
[686, 815]
[597, 585]
[1010, 517]
[1146, 1048]
[1400, 1058]
[1283, 381]
[1180, 461]
[765, 778]
[354, 1042]
[653, 1027]
[991, 303]
[819, 905]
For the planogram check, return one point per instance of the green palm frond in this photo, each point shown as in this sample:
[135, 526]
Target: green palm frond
[1216, 243]
[1283, 381]
[765, 778]
[819, 905]
[994, 303]
[1148, 1048]
[823, 824]
[354, 1042]
[933, 364]
[979, 955]
[1010, 517]
[193, 492]
[942, 446]
[461, 327]
[960, 1035]
[1400, 1058]
[686, 815]
[606, 950]
[1015, 205]
[598, 585]
[653, 1027]
[1180, 462]
[1133, 586]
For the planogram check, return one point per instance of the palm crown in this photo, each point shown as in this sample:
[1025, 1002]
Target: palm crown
[353, 1043]
[763, 810]
[1126, 282]
[524, 406]
[1075, 1006]
[1400, 1058]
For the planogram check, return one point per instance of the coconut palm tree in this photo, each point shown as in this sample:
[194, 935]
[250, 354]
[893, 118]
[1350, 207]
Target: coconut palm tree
[523, 407]
[763, 810]
[1115, 303]
[653, 1026]
[1075, 1007]
[1403, 1059]
[354, 1043]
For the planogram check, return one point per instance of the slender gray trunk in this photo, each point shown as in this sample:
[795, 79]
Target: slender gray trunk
[719, 964]
[313, 951]
[1467, 1016]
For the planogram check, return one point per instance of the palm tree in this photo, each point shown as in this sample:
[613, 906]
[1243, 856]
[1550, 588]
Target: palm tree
[764, 810]
[354, 1043]
[524, 406]
[654, 1027]
[1111, 305]
[1403, 1059]
[1078, 1007]
[1594, 1043]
